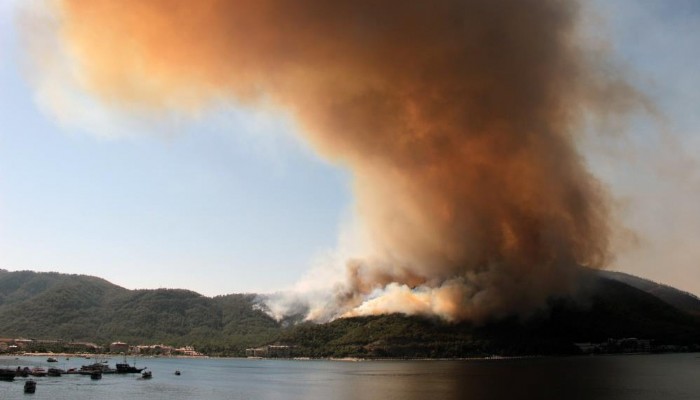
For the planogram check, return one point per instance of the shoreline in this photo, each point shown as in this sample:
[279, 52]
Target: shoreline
[96, 355]
[332, 359]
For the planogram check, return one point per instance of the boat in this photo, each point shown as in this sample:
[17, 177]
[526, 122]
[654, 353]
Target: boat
[177, 372]
[125, 368]
[146, 375]
[38, 371]
[96, 375]
[54, 372]
[29, 386]
[7, 375]
[52, 359]
[102, 368]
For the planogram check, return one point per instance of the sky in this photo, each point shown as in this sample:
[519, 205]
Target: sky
[233, 201]
[228, 203]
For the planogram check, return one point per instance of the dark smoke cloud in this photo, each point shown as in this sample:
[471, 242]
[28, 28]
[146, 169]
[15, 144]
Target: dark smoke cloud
[457, 119]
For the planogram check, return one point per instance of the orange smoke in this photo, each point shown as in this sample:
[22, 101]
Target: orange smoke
[457, 119]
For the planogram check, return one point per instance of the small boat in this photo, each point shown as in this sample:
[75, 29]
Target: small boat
[125, 368]
[146, 375]
[54, 372]
[177, 372]
[38, 371]
[7, 375]
[29, 386]
[102, 368]
[52, 359]
[96, 375]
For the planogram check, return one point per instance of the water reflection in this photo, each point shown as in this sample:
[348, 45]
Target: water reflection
[673, 376]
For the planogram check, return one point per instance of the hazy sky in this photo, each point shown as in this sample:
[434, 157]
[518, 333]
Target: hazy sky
[233, 201]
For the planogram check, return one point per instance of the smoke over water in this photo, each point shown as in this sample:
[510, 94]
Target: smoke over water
[457, 120]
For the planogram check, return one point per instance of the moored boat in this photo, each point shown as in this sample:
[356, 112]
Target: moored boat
[125, 368]
[102, 368]
[54, 372]
[29, 386]
[7, 374]
[51, 359]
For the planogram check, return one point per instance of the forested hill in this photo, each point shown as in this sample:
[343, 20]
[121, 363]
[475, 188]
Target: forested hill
[685, 301]
[78, 307]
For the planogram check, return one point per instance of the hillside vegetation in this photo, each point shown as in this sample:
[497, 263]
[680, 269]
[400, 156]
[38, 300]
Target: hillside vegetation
[85, 308]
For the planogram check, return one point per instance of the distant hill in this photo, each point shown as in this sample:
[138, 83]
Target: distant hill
[604, 309]
[685, 301]
[79, 307]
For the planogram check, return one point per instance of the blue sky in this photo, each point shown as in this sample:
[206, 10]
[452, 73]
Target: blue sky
[232, 201]
[228, 202]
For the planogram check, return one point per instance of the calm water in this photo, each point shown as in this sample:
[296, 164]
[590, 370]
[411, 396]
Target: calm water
[668, 377]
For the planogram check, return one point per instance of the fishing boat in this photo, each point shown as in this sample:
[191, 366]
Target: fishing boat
[125, 368]
[29, 386]
[102, 368]
[7, 375]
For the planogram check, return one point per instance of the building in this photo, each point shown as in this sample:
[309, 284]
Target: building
[5, 344]
[270, 351]
[188, 351]
[119, 347]
[83, 346]
[612, 345]
[155, 349]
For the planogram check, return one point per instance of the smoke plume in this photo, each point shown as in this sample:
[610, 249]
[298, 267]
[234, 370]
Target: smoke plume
[457, 119]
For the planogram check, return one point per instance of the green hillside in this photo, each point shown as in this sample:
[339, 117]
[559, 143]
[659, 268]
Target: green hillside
[85, 308]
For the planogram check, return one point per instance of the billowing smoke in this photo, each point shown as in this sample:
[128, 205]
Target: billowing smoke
[457, 119]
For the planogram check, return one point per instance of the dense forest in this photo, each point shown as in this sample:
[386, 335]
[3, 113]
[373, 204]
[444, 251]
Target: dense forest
[85, 308]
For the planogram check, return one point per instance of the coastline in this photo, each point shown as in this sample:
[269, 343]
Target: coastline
[109, 356]
[98, 355]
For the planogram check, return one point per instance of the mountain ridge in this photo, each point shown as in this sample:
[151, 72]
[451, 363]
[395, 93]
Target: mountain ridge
[681, 299]
[83, 307]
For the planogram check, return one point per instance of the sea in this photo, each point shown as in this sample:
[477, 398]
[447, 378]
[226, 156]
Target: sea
[620, 377]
